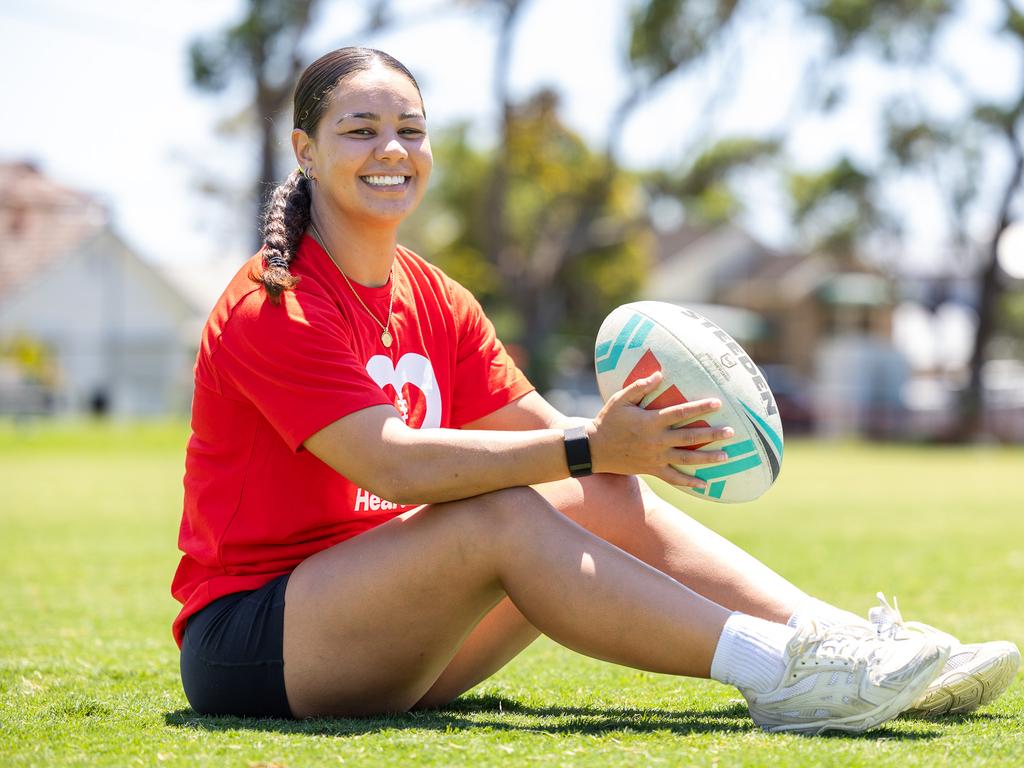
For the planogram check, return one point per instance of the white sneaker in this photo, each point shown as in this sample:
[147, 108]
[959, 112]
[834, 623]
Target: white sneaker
[846, 678]
[973, 675]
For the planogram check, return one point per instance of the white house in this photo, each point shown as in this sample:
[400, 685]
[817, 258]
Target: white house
[114, 334]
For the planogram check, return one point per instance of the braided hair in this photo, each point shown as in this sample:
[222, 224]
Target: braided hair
[284, 223]
[287, 215]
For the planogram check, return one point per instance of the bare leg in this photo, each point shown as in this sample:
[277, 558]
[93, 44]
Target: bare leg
[371, 623]
[626, 513]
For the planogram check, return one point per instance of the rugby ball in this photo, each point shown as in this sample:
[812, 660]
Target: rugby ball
[698, 360]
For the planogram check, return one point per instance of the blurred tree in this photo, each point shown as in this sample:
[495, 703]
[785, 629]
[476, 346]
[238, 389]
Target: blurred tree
[566, 245]
[706, 184]
[836, 209]
[947, 151]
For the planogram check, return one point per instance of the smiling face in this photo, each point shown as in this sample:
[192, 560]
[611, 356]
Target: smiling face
[369, 153]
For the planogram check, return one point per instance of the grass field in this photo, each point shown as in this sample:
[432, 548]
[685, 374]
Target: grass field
[88, 669]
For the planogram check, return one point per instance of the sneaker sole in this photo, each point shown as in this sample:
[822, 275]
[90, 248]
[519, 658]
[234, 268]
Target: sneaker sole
[964, 690]
[887, 711]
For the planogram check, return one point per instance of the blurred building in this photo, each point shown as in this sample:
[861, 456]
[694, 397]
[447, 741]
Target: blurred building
[822, 331]
[86, 325]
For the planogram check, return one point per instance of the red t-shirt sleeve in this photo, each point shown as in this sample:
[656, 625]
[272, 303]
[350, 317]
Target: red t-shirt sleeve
[486, 377]
[294, 362]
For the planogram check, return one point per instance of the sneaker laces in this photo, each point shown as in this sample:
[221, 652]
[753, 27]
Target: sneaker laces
[889, 622]
[830, 645]
[887, 618]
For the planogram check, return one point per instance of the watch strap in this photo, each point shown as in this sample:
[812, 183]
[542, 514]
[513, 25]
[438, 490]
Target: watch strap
[577, 452]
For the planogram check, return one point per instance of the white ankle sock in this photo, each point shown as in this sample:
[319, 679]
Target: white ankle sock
[751, 653]
[825, 614]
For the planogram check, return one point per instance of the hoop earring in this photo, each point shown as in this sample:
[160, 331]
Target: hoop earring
[309, 176]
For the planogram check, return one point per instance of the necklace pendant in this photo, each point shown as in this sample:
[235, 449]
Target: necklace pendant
[385, 339]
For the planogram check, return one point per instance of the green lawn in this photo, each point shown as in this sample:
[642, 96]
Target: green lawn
[88, 669]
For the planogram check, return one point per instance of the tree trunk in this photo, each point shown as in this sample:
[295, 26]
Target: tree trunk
[543, 310]
[972, 420]
[497, 189]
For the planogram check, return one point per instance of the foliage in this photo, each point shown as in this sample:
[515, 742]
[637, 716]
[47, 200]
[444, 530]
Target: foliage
[31, 358]
[669, 34]
[715, 163]
[836, 208]
[706, 184]
[896, 28]
[556, 253]
[808, 190]
[89, 671]
[262, 42]
[839, 208]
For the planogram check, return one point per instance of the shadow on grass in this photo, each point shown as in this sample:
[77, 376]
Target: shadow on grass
[501, 714]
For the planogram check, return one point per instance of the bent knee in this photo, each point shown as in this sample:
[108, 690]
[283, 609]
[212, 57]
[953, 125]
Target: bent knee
[495, 516]
[600, 503]
[595, 492]
[498, 507]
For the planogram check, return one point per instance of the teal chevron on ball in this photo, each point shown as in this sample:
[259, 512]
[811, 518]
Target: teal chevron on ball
[697, 360]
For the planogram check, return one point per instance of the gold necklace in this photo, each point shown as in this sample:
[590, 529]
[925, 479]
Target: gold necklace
[385, 337]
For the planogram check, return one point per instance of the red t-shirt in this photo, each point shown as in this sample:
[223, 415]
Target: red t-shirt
[268, 377]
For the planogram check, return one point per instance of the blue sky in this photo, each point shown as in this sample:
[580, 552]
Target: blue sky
[98, 94]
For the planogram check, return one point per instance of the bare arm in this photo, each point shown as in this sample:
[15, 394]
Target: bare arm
[377, 451]
[531, 411]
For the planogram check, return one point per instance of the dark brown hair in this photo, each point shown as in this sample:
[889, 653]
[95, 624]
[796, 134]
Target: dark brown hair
[287, 215]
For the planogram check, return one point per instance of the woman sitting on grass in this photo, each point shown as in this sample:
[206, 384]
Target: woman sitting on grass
[379, 512]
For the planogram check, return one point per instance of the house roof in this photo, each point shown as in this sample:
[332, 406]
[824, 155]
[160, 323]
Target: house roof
[785, 279]
[696, 265]
[40, 222]
[726, 265]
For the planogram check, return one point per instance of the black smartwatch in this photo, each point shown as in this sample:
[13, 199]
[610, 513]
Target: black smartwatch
[577, 452]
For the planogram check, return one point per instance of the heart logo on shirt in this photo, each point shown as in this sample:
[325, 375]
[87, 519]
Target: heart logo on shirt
[420, 408]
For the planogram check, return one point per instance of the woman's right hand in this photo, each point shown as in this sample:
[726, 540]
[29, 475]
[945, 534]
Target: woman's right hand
[626, 439]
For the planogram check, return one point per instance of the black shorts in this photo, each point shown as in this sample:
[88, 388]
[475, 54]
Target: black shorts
[232, 655]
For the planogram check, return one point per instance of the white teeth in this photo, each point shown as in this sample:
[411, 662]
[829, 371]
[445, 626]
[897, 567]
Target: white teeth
[384, 181]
